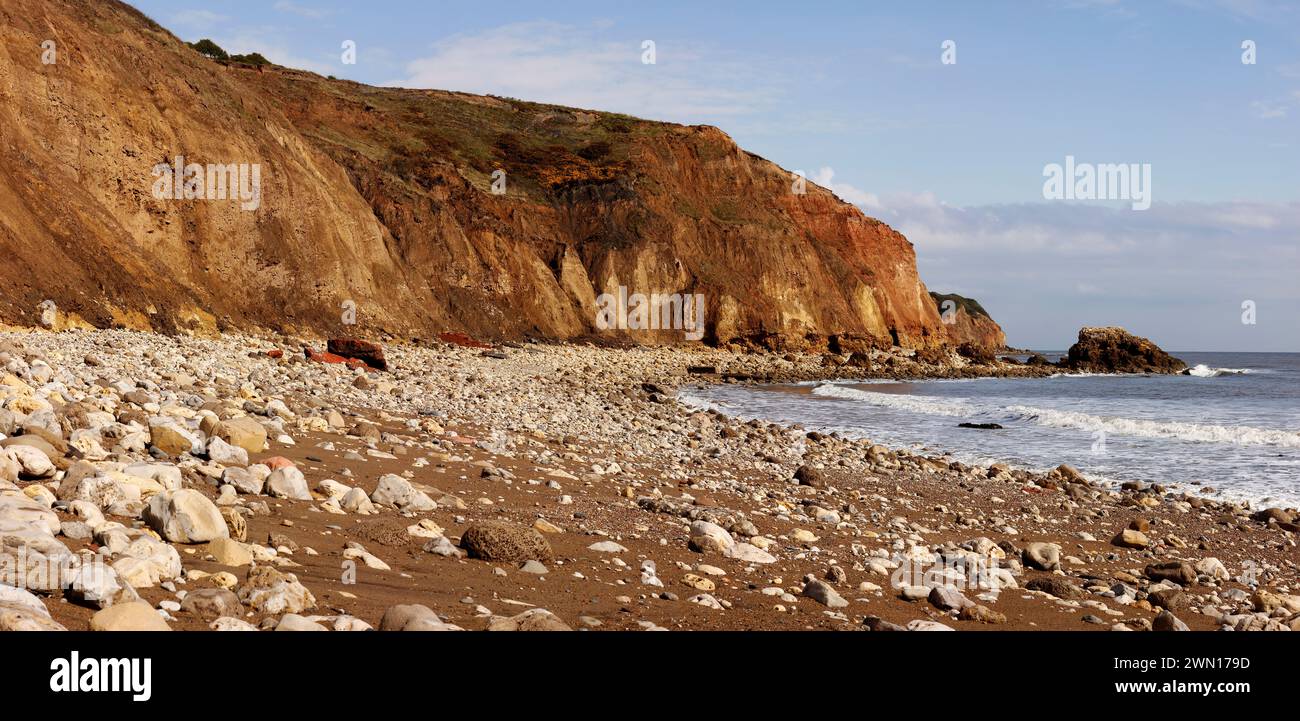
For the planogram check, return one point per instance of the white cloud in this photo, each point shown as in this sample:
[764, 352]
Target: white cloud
[825, 177]
[1178, 272]
[588, 68]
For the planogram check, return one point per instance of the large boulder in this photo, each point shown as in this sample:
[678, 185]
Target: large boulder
[372, 354]
[269, 591]
[22, 611]
[185, 516]
[244, 433]
[398, 492]
[288, 482]
[501, 541]
[1115, 350]
[168, 436]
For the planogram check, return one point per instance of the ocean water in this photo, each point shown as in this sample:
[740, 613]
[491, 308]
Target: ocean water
[1233, 425]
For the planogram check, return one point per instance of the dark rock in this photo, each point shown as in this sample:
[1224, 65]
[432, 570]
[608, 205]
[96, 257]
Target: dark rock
[1056, 586]
[1179, 572]
[981, 426]
[501, 541]
[876, 623]
[1172, 599]
[1115, 350]
[809, 476]
[1280, 515]
[1167, 621]
[372, 354]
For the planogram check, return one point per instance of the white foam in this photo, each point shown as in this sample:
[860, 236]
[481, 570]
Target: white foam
[1196, 432]
[1176, 430]
[697, 403]
[1203, 371]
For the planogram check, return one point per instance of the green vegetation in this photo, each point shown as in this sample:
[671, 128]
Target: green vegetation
[971, 306]
[213, 51]
[209, 49]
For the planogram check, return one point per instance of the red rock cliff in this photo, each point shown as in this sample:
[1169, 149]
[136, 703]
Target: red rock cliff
[384, 197]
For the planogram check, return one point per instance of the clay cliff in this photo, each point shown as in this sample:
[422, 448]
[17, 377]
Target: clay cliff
[385, 197]
[966, 321]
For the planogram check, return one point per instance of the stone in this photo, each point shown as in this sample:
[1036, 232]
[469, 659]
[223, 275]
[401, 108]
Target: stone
[269, 591]
[1042, 556]
[1115, 350]
[748, 553]
[823, 593]
[808, 476]
[288, 482]
[22, 511]
[33, 464]
[243, 480]
[1167, 621]
[502, 541]
[534, 567]
[981, 614]
[413, 617]
[1172, 599]
[20, 610]
[923, 625]
[185, 516]
[356, 501]
[245, 433]
[97, 584]
[146, 562]
[372, 354]
[211, 603]
[1056, 586]
[607, 547]
[227, 623]
[229, 552]
[1130, 538]
[170, 438]
[398, 492]
[544, 526]
[133, 616]
[534, 619]
[1213, 568]
[1179, 572]
[294, 622]
[709, 537]
[947, 598]
[226, 454]
[236, 524]
[441, 546]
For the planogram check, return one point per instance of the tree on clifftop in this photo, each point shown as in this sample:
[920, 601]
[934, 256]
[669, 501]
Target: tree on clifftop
[207, 48]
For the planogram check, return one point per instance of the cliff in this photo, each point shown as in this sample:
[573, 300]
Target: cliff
[966, 321]
[384, 197]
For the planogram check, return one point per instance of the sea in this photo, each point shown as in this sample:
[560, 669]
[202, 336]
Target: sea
[1232, 425]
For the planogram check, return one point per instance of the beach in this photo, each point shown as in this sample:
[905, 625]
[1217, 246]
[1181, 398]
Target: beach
[536, 486]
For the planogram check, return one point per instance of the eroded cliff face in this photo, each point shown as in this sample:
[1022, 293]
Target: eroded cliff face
[385, 197]
[966, 321]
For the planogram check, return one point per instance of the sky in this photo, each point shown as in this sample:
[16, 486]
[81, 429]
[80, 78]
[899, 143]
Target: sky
[939, 118]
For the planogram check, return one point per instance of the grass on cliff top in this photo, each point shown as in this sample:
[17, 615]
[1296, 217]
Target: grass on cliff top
[970, 305]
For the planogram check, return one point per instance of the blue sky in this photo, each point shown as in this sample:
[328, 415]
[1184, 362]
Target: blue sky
[855, 95]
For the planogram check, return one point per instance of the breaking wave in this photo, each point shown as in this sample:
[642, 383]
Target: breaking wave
[1184, 431]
